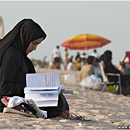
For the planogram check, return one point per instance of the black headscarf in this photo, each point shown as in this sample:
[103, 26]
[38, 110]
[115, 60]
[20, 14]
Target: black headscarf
[20, 37]
[107, 59]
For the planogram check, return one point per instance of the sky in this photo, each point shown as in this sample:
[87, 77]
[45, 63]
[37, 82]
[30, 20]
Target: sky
[62, 20]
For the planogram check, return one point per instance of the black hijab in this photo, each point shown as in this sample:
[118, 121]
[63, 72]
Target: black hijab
[107, 59]
[20, 37]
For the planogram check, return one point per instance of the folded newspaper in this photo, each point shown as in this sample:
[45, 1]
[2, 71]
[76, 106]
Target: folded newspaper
[44, 88]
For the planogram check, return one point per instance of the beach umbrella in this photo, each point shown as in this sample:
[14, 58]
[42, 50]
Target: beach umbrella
[85, 42]
[1, 28]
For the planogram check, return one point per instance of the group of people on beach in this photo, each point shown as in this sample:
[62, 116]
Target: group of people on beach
[89, 65]
[69, 62]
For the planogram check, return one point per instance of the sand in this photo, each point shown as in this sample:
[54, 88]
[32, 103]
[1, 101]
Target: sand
[106, 110]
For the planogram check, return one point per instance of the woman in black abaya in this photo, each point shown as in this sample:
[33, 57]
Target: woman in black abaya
[14, 63]
[110, 68]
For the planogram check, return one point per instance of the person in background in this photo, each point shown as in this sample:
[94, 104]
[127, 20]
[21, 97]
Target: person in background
[15, 64]
[78, 58]
[70, 65]
[127, 55]
[95, 54]
[77, 62]
[106, 57]
[88, 69]
[127, 70]
[56, 57]
[44, 61]
[37, 65]
[65, 58]
[123, 64]
[97, 70]
[50, 65]
[83, 59]
[77, 65]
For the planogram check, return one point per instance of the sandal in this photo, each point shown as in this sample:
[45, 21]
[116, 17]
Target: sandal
[73, 116]
[23, 109]
[11, 110]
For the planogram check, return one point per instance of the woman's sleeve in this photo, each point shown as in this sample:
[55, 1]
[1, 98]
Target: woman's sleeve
[10, 67]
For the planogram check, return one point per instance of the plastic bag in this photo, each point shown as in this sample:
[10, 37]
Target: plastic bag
[15, 101]
[92, 82]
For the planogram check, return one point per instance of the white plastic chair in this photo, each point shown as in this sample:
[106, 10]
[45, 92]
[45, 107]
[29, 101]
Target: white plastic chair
[105, 78]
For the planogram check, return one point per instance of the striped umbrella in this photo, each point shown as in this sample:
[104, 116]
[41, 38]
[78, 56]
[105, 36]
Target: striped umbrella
[85, 42]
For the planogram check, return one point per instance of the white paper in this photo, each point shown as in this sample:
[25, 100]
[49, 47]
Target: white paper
[47, 103]
[43, 79]
[41, 96]
[29, 80]
[43, 88]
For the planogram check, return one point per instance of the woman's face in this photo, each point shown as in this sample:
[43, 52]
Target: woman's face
[33, 45]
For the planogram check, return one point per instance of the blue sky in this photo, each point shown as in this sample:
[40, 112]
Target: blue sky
[64, 19]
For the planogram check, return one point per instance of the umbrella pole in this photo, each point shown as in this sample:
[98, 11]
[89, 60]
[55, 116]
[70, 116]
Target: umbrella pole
[86, 42]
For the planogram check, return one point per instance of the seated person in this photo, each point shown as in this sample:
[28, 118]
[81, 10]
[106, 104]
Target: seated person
[70, 65]
[97, 70]
[127, 70]
[106, 57]
[50, 65]
[88, 69]
[77, 65]
[15, 64]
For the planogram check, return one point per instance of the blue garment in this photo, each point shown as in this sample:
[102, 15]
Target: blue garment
[127, 71]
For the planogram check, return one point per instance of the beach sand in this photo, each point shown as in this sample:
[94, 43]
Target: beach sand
[106, 110]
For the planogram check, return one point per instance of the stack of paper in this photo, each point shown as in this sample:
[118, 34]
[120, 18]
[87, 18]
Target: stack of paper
[43, 88]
